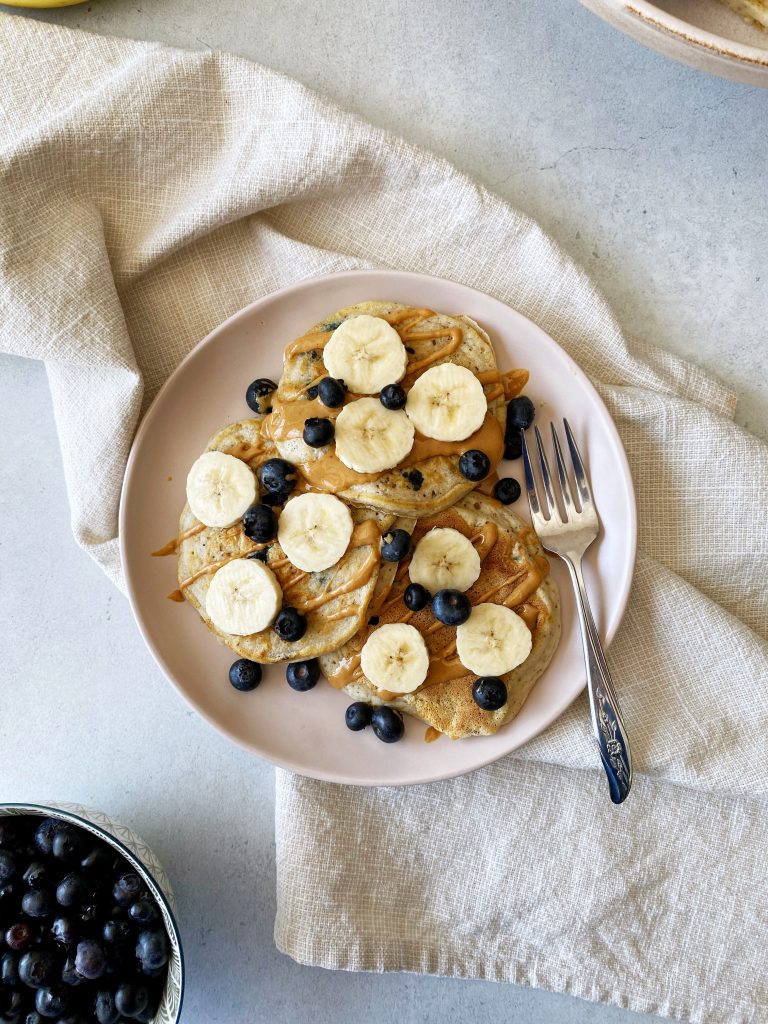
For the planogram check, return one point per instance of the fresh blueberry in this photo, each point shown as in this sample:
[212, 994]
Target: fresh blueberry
[395, 545]
[68, 845]
[290, 625]
[127, 889]
[374, 620]
[278, 478]
[38, 903]
[71, 889]
[12, 1006]
[474, 465]
[104, 1007]
[143, 911]
[414, 477]
[317, 432]
[9, 897]
[152, 949]
[52, 1001]
[37, 968]
[387, 724]
[506, 490]
[9, 970]
[117, 933]
[489, 693]
[245, 675]
[451, 607]
[64, 931]
[90, 959]
[33, 1017]
[18, 936]
[416, 597]
[131, 998]
[260, 523]
[513, 446]
[257, 392]
[8, 867]
[331, 392]
[100, 858]
[392, 396]
[94, 909]
[358, 715]
[303, 675]
[262, 555]
[44, 835]
[70, 975]
[312, 392]
[520, 413]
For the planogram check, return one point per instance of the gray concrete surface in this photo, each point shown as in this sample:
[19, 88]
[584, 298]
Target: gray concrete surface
[651, 175]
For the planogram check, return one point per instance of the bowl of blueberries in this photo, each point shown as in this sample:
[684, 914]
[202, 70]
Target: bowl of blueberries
[87, 927]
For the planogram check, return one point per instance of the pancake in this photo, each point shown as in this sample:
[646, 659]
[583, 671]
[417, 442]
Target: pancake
[428, 480]
[330, 620]
[514, 572]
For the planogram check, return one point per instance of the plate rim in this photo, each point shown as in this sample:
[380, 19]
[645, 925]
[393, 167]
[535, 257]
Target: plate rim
[620, 602]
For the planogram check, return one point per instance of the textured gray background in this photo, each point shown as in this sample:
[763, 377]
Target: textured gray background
[651, 175]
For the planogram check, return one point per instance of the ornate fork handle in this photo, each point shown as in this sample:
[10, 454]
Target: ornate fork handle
[607, 723]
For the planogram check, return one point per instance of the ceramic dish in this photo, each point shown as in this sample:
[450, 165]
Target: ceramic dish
[305, 732]
[704, 34]
[125, 841]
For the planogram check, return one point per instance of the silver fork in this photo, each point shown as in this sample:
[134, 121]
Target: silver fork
[569, 536]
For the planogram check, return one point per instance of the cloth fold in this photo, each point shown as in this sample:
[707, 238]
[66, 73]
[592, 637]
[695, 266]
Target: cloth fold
[148, 194]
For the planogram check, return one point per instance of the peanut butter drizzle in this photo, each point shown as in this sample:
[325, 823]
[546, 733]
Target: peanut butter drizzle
[316, 340]
[507, 384]
[173, 545]
[432, 734]
[210, 567]
[342, 613]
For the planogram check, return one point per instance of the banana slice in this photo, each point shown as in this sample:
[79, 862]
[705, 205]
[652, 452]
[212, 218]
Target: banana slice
[219, 489]
[447, 402]
[314, 531]
[395, 658]
[366, 353]
[244, 597]
[493, 640]
[444, 559]
[370, 438]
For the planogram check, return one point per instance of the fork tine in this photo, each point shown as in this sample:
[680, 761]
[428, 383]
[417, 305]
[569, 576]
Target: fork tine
[582, 481]
[565, 486]
[530, 482]
[546, 477]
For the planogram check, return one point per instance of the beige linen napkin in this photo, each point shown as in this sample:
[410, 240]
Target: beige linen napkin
[147, 194]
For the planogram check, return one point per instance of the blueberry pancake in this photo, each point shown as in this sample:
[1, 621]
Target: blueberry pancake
[392, 407]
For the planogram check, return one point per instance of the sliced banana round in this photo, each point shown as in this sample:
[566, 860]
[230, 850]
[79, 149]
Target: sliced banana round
[314, 531]
[444, 559]
[370, 438]
[244, 597]
[447, 402]
[493, 640]
[366, 353]
[395, 658]
[219, 489]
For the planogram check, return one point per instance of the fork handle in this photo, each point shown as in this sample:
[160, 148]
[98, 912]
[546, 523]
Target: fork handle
[607, 724]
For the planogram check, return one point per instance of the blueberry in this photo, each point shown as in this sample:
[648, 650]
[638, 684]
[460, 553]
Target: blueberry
[100, 858]
[520, 413]
[489, 693]
[12, 1006]
[451, 607]
[506, 490]
[245, 675]
[474, 465]
[9, 970]
[131, 998]
[303, 675]
[358, 715]
[33, 1017]
[317, 432]
[64, 931]
[262, 555]
[331, 392]
[152, 949]
[68, 844]
[117, 933]
[143, 911]
[70, 975]
[8, 866]
[104, 1008]
[127, 889]
[72, 889]
[257, 392]
[312, 392]
[38, 903]
[90, 959]
[278, 478]
[387, 724]
[37, 875]
[513, 446]
[52, 1001]
[37, 968]
[414, 477]
[290, 625]
[416, 597]
[44, 835]
[392, 396]
[374, 620]
[395, 545]
[9, 833]
[18, 936]
[260, 523]
[94, 909]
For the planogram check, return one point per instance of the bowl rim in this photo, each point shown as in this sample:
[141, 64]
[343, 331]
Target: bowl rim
[54, 811]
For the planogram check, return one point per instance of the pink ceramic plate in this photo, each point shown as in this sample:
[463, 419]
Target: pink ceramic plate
[305, 732]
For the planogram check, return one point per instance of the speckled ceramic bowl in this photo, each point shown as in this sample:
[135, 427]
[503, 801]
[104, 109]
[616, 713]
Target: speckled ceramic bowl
[137, 853]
